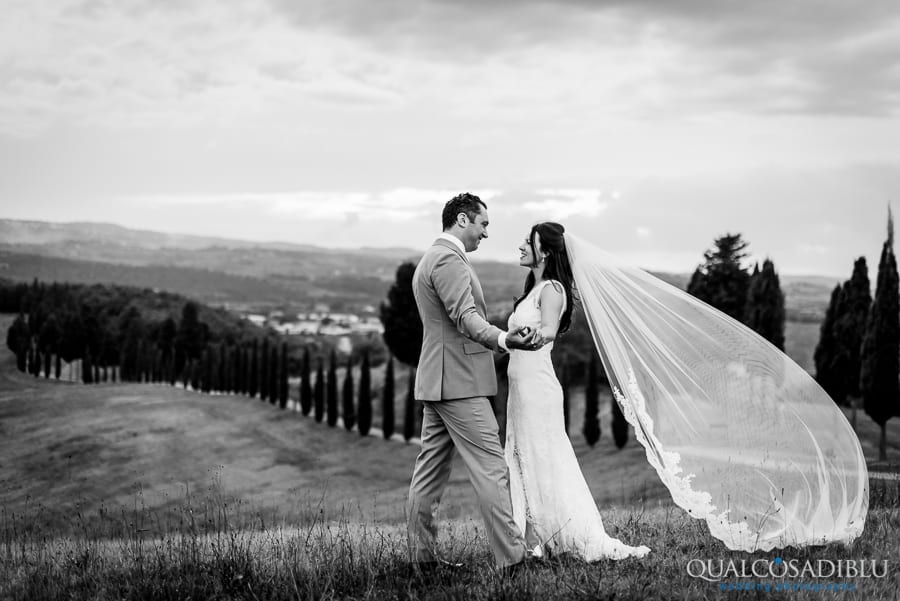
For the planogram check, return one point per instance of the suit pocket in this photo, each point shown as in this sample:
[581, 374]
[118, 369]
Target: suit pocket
[473, 348]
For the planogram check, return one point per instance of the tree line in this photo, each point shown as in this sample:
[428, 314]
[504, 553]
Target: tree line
[858, 354]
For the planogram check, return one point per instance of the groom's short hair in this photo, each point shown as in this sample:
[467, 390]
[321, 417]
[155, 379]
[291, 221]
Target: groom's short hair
[466, 203]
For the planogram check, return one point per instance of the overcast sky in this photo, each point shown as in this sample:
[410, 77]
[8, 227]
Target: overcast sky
[648, 126]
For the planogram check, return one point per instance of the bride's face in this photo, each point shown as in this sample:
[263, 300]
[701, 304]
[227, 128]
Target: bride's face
[527, 257]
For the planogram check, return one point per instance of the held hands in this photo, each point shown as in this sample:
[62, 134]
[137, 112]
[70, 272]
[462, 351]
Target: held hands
[525, 339]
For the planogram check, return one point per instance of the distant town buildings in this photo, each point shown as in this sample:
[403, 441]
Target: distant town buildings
[320, 322]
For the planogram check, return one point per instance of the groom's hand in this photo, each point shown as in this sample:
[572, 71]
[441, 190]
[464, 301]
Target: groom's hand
[523, 339]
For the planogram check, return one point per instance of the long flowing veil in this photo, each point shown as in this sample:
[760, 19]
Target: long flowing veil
[741, 435]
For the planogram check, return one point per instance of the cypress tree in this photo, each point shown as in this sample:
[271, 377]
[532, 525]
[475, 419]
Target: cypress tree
[849, 328]
[319, 392]
[331, 391]
[274, 384]
[87, 368]
[283, 382]
[305, 385]
[197, 369]
[827, 348]
[242, 362]
[191, 337]
[158, 367]
[167, 334]
[364, 406]
[246, 368]
[254, 369]
[237, 369]
[48, 342]
[36, 362]
[48, 363]
[58, 366]
[264, 371]
[18, 338]
[348, 409]
[222, 377]
[765, 305]
[209, 368]
[880, 368]
[409, 408]
[619, 425]
[387, 400]
[591, 429]
[400, 317]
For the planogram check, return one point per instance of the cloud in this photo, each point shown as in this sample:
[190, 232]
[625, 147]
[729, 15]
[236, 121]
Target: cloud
[146, 65]
[564, 68]
[809, 57]
[401, 204]
[561, 204]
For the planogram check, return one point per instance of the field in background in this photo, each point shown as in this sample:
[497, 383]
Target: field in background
[66, 446]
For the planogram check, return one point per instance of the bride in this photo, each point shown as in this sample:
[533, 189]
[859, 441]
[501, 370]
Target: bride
[552, 503]
[741, 436]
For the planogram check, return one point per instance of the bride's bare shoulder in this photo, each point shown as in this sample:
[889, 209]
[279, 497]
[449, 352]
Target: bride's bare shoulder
[552, 291]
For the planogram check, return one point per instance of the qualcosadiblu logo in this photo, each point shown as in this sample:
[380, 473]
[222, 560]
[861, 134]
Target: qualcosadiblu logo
[716, 570]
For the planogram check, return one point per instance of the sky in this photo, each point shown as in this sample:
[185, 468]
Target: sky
[647, 126]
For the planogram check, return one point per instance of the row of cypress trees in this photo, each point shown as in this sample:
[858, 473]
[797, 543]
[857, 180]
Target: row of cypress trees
[258, 370]
[858, 354]
[591, 428]
[318, 396]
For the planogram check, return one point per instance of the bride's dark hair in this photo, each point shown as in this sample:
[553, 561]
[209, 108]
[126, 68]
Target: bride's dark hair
[557, 267]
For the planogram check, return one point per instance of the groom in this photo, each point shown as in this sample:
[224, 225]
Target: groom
[455, 376]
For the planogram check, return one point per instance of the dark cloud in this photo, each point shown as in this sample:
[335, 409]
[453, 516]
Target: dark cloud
[809, 56]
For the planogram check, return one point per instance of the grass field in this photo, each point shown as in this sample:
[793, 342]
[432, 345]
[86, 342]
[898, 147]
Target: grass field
[209, 555]
[139, 491]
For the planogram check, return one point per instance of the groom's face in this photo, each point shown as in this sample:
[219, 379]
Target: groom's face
[475, 230]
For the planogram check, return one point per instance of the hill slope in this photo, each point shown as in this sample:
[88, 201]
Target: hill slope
[73, 450]
[122, 445]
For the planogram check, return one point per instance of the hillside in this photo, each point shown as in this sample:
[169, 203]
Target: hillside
[124, 445]
[69, 449]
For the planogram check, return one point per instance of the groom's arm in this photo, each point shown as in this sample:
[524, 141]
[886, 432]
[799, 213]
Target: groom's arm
[452, 283]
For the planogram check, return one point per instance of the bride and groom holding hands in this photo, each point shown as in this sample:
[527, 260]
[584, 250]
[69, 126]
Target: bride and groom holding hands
[740, 435]
[532, 495]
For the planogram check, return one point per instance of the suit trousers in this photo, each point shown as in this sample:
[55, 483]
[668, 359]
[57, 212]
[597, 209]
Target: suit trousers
[469, 427]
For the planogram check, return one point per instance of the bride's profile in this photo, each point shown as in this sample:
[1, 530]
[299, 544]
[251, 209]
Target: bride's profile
[551, 501]
[741, 436]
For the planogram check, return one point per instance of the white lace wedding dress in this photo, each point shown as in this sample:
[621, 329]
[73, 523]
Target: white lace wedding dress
[551, 501]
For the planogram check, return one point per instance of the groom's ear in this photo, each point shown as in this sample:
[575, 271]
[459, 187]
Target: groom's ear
[462, 220]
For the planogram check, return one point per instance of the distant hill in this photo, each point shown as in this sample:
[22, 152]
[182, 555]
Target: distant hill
[292, 276]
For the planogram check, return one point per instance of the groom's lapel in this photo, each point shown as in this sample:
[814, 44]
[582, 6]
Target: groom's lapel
[477, 292]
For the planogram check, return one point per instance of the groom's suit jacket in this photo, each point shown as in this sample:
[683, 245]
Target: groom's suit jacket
[456, 360]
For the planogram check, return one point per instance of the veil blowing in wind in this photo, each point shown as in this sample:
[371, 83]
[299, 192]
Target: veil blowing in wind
[741, 435]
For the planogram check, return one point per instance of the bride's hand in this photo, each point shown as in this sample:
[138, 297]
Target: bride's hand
[538, 339]
[533, 337]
